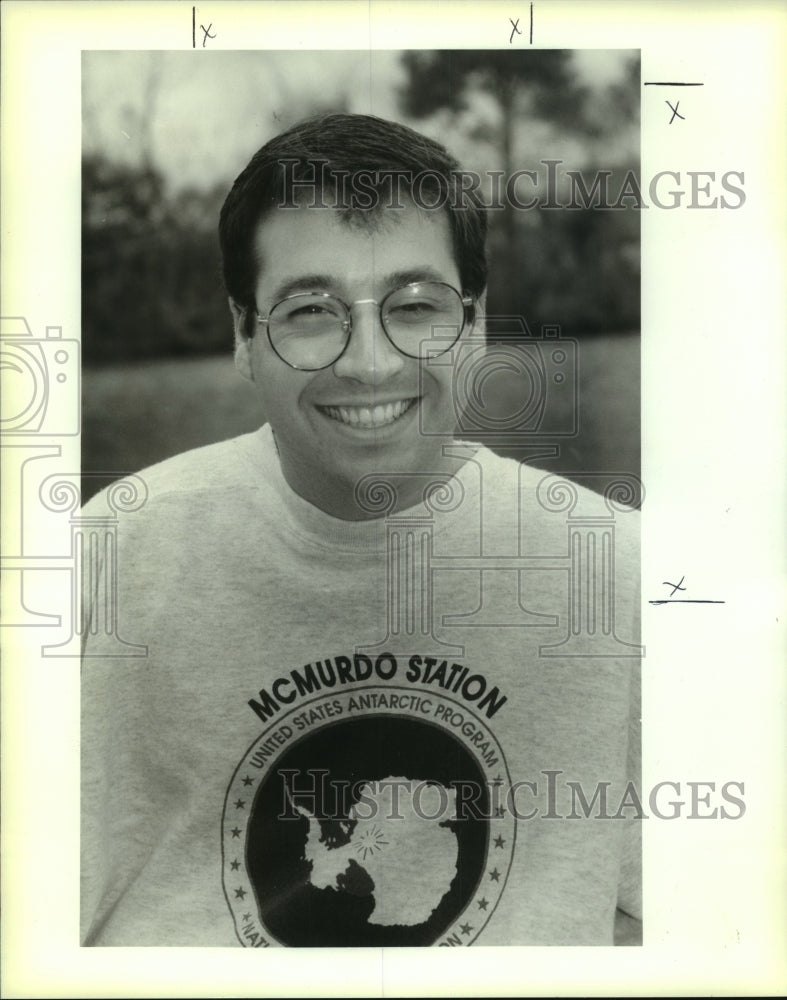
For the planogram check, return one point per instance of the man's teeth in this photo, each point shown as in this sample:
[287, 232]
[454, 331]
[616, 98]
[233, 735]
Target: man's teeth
[369, 416]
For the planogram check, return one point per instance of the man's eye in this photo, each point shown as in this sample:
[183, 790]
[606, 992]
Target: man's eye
[305, 312]
[410, 309]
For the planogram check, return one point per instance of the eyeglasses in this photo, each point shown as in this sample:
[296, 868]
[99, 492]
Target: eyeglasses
[311, 330]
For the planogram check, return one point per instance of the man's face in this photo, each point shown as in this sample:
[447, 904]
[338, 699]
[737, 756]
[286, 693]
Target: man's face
[363, 414]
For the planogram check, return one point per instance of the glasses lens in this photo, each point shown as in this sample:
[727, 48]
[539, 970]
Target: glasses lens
[423, 319]
[307, 330]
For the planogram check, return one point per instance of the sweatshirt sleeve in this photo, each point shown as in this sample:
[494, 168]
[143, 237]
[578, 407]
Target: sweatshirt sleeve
[628, 918]
[95, 702]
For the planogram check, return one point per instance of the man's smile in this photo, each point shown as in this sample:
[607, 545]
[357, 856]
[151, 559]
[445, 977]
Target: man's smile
[369, 417]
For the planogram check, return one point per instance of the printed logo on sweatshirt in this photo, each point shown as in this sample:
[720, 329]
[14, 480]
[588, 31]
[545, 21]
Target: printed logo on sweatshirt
[369, 816]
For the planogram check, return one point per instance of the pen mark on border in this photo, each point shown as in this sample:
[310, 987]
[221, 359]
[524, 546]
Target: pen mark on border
[681, 600]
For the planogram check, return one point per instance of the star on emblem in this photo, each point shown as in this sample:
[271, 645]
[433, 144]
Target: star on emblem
[235, 865]
[240, 893]
[466, 928]
[235, 831]
[495, 875]
[499, 842]
[247, 916]
[239, 804]
[248, 781]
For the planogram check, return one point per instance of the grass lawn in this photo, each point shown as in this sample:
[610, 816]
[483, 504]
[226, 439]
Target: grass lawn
[136, 414]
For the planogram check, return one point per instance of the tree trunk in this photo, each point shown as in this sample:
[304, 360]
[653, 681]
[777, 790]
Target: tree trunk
[506, 94]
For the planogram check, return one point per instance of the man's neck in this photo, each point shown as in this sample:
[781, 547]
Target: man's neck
[374, 495]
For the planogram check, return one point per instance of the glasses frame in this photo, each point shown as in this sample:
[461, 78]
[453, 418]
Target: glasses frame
[468, 318]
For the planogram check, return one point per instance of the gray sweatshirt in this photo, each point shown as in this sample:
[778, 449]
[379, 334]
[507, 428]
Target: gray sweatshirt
[419, 729]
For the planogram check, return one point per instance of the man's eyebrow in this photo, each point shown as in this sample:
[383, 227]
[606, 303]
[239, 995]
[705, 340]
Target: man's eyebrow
[306, 283]
[424, 272]
[334, 284]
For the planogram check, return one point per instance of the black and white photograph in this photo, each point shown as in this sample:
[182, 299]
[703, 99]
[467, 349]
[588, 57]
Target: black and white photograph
[408, 644]
[388, 563]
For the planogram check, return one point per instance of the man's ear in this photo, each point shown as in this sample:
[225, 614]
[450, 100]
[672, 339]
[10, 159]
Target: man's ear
[242, 341]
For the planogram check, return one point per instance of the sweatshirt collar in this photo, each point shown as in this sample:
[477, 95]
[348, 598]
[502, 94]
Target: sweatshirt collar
[370, 535]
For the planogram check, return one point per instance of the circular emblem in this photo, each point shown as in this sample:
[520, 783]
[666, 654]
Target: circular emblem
[368, 819]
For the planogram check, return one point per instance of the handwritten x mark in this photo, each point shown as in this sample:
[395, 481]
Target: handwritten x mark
[673, 110]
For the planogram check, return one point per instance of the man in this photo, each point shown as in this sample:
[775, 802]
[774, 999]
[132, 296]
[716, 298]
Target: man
[384, 699]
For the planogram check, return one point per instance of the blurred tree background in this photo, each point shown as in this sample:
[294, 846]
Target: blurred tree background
[150, 276]
[577, 268]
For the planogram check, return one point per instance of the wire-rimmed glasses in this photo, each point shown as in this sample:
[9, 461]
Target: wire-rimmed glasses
[311, 330]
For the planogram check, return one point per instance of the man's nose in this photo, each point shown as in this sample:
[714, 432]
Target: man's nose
[370, 356]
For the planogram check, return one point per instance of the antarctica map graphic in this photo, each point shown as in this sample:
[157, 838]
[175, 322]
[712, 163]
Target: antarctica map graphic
[368, 816]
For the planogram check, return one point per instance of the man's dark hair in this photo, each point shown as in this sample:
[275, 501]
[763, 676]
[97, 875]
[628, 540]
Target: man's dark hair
[318, 162]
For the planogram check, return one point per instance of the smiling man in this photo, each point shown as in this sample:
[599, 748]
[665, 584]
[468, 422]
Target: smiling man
[349, 309]
[336, 267]
[384, 682]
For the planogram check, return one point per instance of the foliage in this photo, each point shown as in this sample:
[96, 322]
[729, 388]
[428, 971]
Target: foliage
[446, 78]
[578, 268]
[151, 281]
